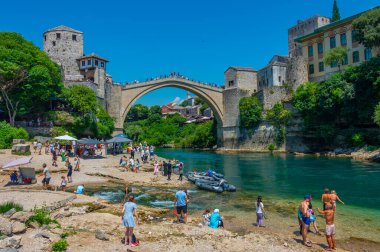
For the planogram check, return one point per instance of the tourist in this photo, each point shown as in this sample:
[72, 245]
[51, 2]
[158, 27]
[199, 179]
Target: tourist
[313, 218]
[156, 168]
[141, 153]
[132, 163]
[180, 205]
[259, 212]
[69, 172]
[77, 163]
[129, 210]
[54, 154]
[333, 198]
[169, 170]
[47, 147]
[80, 189]
[325, 197]
[127, 191]
[63, 154]
[216, 221]
[151, 152]
[137, 165]
[39, 147]
[165, 168]
[305, 217]
[210, 172]
[180, 170]
[14, 177]
[206, 217]
[35, 146]
[123, 161]
[63, 183]
[47, 177]
[330, 226]
[133, 153]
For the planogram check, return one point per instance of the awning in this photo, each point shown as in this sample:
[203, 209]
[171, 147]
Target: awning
[121, 135]
[89, 141]
[118, 140]
[17, 162]
[65, 137]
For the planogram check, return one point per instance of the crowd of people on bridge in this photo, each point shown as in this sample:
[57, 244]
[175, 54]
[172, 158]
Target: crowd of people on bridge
[174, 75]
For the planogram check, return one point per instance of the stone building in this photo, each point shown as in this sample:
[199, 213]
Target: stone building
[302, 28]
[64, 45]
[273, 74]
[337, 34]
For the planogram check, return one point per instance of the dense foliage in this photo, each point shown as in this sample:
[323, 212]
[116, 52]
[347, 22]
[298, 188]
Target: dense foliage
[251, 111]
[346, 100]
[279, 116]
[6, 206]
[336, 56]
[8, 133]
[367, 28]
[28, 78]
[170, 130]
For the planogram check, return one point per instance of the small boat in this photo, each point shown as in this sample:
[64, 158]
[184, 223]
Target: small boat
[208, 181]
[225, 186]
[209, 187]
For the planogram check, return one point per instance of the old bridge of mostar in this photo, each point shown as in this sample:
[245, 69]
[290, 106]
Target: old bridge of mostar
[223, 101]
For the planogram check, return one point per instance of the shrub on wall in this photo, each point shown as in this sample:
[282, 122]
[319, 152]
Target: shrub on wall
[8, 133]
[251, 111]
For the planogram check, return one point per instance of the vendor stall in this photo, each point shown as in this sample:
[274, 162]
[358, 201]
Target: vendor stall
[24, 175]
[115, 144]
[88, 148]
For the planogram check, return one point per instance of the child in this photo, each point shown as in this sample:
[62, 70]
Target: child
[137, 165]
[63, 183]
[77, 163]
[333, 198]
[330, 227]
[206, 217]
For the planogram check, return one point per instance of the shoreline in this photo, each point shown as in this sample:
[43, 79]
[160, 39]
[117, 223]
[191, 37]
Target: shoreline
[102, 172]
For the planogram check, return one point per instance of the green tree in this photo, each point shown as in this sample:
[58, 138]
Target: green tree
[134, 132]
[278, 115]
[185, 103]
[8, 133]
[335, 12]
[367, 28]
[336, 55]
[204, 105]
[138, 112]
[250, 111]
[155, 110]
[376, 114]
[28, 78]
[81, 98]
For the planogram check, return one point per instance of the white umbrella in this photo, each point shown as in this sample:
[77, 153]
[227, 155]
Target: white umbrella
[17, 162]
[66, 137]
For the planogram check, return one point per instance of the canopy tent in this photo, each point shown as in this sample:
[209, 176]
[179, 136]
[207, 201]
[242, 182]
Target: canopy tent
[121, 135]
[89, 141]
[17, 162]
[118, 140]
[65, 137]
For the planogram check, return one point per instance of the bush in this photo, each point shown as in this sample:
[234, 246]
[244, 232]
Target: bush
[8, 133]
[61, 118]
[41, 216]
[5, 207]
[60, 245]
[271, 147]
[357, 140]
[278, 115]
[250, 111]
[59, 131]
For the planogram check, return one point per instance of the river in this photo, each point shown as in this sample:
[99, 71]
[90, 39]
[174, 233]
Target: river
[282, 180]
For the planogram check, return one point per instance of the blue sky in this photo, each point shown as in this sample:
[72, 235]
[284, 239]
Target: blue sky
[147, 38]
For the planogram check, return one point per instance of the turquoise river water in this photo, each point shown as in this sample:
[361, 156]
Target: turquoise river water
[282, 180]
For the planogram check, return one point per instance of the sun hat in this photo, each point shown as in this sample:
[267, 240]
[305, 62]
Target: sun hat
[216, 211]
[307, 196]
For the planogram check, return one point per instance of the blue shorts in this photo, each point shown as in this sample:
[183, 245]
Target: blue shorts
[306, 220]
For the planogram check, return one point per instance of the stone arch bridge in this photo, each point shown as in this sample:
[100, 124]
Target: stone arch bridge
[223, 101]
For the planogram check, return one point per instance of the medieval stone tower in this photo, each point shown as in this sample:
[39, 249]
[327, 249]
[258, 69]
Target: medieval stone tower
[64, 45]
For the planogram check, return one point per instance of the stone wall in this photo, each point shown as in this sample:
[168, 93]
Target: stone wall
[35, 131]
[65, 51]
[297, 72]
[271, 95]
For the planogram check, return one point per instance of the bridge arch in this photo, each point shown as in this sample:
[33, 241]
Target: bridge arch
[213, 96]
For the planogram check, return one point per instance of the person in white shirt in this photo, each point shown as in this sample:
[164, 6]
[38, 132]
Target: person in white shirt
[132, 164]
[259, 212]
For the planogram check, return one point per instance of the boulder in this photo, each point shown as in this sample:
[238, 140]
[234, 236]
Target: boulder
[5, 226]
[9, 213]
[21, 216]
[18, 227]
[101, 235]
[10, 242]
[21, 148]
[8, 250]
[18, 141]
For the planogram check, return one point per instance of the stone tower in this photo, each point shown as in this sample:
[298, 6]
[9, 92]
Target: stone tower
[64, 45]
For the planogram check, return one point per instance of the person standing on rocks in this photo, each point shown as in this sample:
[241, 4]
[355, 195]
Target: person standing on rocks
[259, 212]
[304, 207]
[330, 226]
[129, 210]
[325, 198]
[69, 172]
[47, 177]
[169, 170]
[180, 205]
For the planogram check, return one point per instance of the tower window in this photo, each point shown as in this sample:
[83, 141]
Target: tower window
[96, 62]
[58, 35]
[83, 63]
[53, 42]
[74, 37]
[230, 83]
[89, 62]
[102, 64]
[45, 37]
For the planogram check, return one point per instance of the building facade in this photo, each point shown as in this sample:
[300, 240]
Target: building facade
[302, 28]
[274, 74]
[337, 34]
[64, 45]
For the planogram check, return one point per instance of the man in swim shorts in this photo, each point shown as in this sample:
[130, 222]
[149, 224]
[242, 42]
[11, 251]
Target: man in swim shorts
[304, 206]
[325, 198]
[330, 226]
[180, 204]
